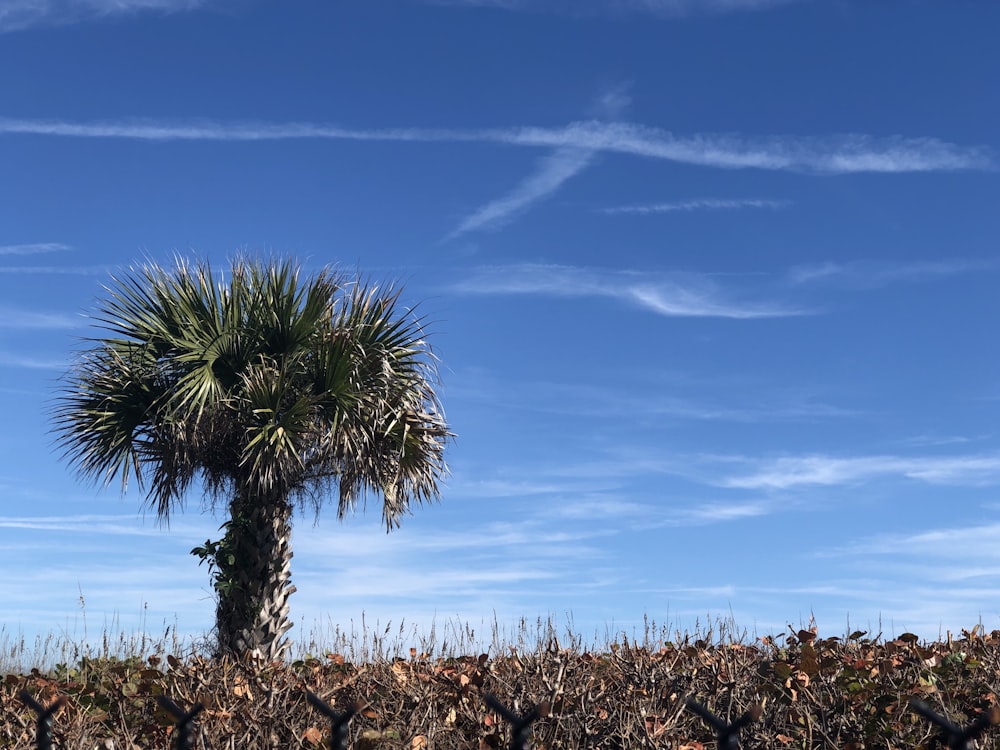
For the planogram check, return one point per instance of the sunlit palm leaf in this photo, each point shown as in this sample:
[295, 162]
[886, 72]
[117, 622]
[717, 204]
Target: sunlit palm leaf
[260, 382]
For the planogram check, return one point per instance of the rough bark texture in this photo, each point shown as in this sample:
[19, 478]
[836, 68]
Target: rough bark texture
[252, 613]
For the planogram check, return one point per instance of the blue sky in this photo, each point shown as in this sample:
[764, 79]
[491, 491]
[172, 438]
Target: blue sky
[713, 284]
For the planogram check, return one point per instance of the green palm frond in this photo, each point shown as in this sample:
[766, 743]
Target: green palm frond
[262, 384]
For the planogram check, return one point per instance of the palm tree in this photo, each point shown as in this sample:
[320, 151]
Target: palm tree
[272, 392]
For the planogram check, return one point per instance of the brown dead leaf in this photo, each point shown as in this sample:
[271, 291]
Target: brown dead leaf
[418, 743]
[784, 739]
[655, 726]
[241, 689]
[206, 699]
[401, 671]
[794, 694]
[807, 660]
[924, 687]
[312, 735]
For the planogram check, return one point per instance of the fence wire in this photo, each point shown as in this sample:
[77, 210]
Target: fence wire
[727, 734]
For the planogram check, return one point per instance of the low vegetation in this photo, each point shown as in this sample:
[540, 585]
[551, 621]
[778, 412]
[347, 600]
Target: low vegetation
[851, 692]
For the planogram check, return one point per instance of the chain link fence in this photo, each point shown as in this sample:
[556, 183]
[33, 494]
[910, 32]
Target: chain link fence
[950, 735]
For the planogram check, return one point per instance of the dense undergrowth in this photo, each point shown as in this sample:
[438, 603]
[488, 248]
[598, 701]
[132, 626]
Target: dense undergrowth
[850, 693]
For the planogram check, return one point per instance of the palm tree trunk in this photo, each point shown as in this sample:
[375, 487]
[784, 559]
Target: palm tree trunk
[252, 613]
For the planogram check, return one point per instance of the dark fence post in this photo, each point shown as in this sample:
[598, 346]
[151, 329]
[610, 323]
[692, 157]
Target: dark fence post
[185, 739]
[43, 731]
[954, 736]
[520, 726]
[728, 734]
[339, 723]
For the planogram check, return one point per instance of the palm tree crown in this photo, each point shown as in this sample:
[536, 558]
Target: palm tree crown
[269, 389]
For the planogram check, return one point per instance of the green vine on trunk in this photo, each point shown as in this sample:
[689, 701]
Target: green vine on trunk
[224, 559]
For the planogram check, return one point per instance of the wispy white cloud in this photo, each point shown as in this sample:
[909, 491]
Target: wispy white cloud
[502, 4]
[9, 359]
[507, 488]
[941, 577]
[21, 14]
[58, 270]
[706, 204]
[489, 539]
[612, 102]
[926, 441]
[611, 403]
[833, 155]
[660, 8]
[36, 248]
[871, 274]
[551, 173]
[14, 318]
[714, 512]
[120, 525]
[594, 507]
[649, 516]
[378, 582]
[978, 543]
[624, 396]
[676, 295]
[795, 471]
[108, 7]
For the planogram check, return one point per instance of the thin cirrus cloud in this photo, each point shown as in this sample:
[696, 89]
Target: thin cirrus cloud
[871, 274]
[57, 270]
[673, 295]
[550, 175]
[980, 543]
[599, 401]
[704, 514]
[16, 15]
[830, 155]
[704, 204]
[663, 8]
[552, 172]
[27, 319]
[81, 524]
[9, 359]
[36, 248]
[795, 471]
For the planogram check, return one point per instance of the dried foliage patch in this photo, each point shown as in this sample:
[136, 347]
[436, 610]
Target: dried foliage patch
[850, 693]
